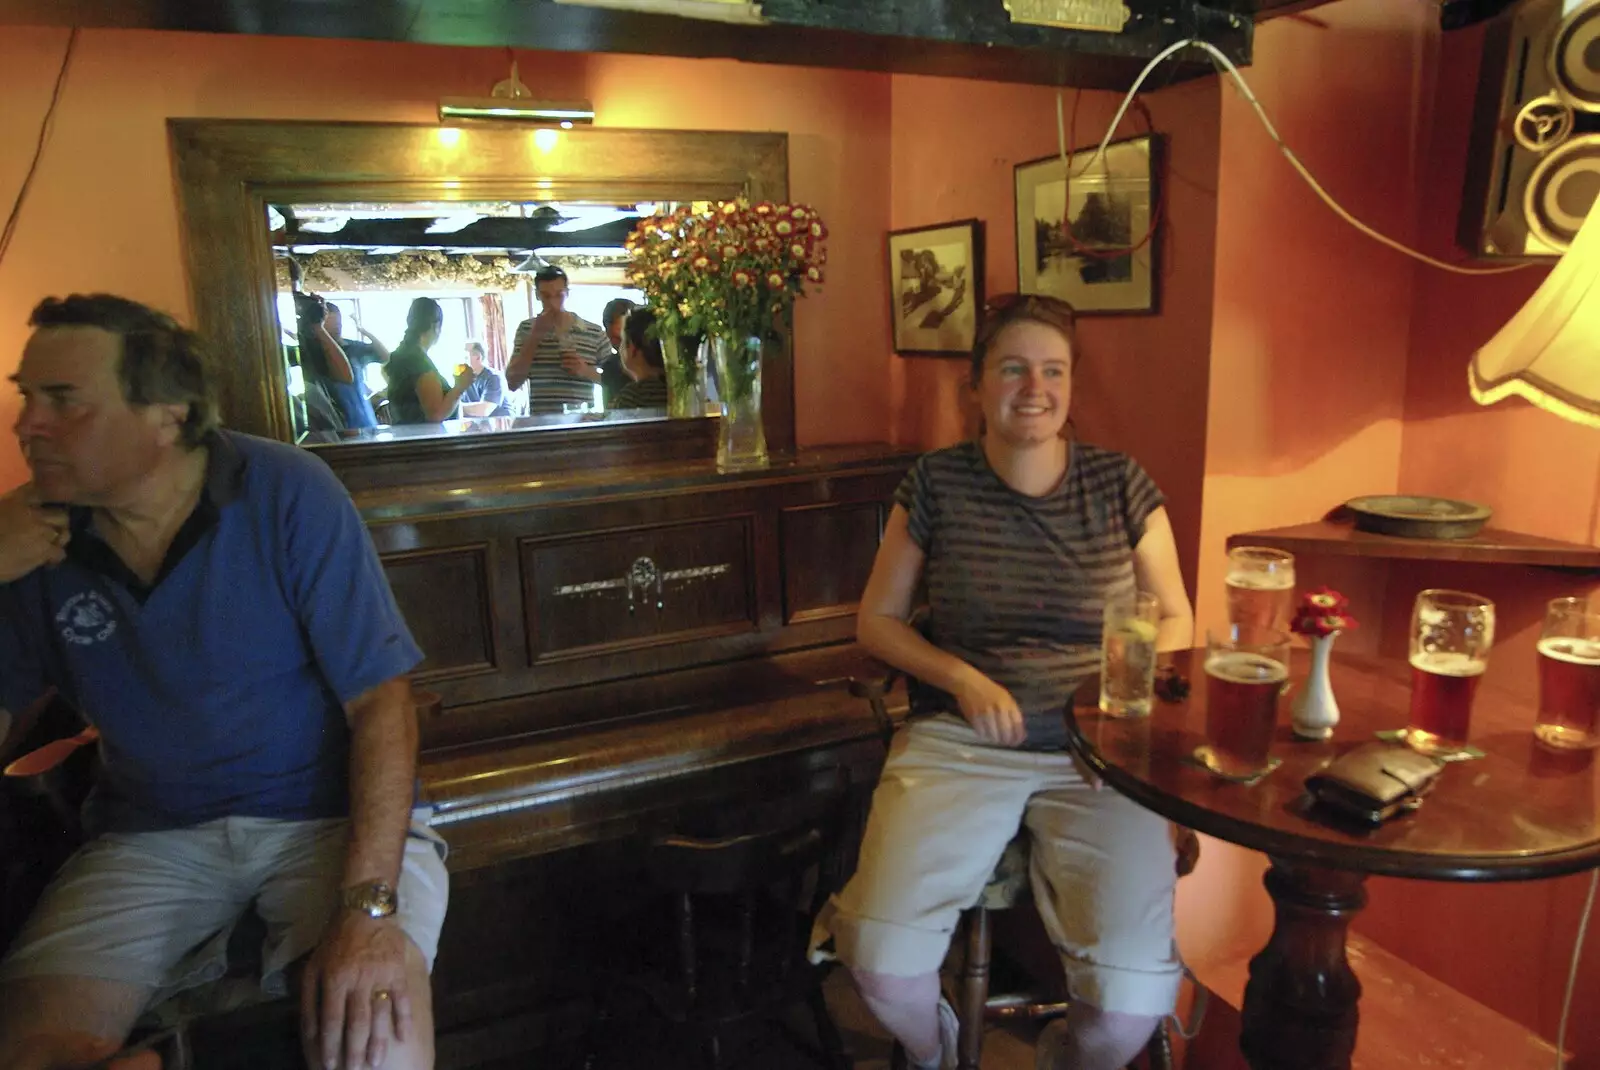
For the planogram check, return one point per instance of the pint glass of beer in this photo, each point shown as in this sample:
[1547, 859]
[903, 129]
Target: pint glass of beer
[1128, 654]
[1260, 588]
[1245, 671]
[1569, 676]
[1451, 633]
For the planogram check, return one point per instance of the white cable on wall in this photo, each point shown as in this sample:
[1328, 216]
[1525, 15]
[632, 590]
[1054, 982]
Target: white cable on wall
[1225, 65]
[1572, 970]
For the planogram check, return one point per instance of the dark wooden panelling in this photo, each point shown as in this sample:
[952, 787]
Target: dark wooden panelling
[610, 592]
[827, 557]
[444, 595]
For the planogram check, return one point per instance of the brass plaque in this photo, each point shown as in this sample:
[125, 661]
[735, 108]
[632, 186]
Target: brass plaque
[1099, 16]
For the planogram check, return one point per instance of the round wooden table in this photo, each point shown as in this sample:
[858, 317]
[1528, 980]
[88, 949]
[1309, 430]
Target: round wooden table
[1522, 812]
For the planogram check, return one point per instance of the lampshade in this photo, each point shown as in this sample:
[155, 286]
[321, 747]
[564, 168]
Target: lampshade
[1549, 353]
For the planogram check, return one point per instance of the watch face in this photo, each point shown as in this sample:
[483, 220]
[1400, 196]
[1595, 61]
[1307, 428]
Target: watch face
[376, 900]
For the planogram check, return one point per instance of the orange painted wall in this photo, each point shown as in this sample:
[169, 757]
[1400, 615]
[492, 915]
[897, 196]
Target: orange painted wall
[1311, 322]
[1140, 379]
[1309, 332]
[102, 213]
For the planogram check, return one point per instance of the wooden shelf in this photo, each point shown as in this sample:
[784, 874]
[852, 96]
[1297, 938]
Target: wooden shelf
[1490, 546]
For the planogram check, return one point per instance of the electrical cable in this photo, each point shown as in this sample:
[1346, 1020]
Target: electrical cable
[1070, 137]
[38, 149]
[1225, 65]
[1572, 970]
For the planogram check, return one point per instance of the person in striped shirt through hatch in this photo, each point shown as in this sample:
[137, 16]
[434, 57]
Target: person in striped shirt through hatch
[1020, 538]
[643, 360]
[557, 353]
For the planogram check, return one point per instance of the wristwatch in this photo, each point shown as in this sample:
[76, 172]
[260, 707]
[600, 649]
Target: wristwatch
[375, 899]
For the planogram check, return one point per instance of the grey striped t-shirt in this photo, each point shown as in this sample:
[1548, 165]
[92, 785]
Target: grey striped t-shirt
[551, 386]
[1016, 585]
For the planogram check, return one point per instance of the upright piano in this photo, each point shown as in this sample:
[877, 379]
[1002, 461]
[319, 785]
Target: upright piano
[612, 651]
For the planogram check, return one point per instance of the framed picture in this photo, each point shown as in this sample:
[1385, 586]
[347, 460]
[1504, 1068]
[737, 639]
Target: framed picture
[936, 288]
[1069, 234]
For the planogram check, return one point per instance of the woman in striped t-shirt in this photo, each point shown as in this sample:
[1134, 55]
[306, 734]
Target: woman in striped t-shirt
[1019, 539]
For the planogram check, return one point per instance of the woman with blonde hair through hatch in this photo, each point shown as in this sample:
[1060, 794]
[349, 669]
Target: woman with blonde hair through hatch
[1020, 538]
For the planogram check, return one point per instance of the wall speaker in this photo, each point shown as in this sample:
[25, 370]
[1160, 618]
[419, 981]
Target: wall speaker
[1533, 169]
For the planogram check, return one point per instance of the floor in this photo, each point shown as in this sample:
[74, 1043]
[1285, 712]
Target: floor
[1007, 1047]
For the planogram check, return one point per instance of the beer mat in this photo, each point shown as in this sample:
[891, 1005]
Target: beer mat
[1248, 782]
[1465, 754]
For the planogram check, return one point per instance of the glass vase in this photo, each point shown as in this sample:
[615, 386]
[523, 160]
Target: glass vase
[741, 438]
[686, 381]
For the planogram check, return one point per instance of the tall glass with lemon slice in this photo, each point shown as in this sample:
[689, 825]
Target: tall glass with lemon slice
[1128, 655]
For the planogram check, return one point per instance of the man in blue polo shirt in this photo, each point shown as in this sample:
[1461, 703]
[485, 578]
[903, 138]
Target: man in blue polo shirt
[212, 603]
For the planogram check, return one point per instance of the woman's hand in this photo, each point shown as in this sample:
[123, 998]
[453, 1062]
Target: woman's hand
[990, 709]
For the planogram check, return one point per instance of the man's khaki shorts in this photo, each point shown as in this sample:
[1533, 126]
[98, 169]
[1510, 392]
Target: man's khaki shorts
[1102, 868]
[155, 909]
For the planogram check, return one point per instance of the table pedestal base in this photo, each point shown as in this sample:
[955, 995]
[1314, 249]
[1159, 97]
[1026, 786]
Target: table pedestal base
[1300, 1006]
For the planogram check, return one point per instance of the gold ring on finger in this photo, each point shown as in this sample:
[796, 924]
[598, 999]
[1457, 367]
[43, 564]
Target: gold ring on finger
[380, 994]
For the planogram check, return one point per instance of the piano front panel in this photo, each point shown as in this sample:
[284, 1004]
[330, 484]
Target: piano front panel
[827, 557]
[526, 598]
[445, 597]
[608, 593]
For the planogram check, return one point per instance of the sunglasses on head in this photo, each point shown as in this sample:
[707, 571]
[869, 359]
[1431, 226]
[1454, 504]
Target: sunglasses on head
[1041, 305]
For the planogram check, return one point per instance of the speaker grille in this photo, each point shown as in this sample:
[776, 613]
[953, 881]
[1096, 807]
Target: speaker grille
[1575, 58]
[1561, 191]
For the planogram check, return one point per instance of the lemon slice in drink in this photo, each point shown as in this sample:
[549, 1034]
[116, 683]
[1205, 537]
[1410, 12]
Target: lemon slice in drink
[1140, 630]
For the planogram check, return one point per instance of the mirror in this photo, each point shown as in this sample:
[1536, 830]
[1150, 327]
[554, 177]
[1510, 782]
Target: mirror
[350, 276]
[357, 202]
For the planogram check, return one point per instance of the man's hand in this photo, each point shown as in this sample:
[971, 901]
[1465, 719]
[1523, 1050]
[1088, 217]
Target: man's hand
[576, 365]
[991, 710]
[353, 999]
[31, 536]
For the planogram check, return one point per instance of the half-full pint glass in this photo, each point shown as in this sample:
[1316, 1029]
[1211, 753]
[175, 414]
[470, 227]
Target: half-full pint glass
[1245, 670]
[1260, 587]
[1128, 654]
[1569, 676]
[1451, 633]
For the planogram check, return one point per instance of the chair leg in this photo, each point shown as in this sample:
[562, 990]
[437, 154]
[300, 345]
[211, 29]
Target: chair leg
[974, 986]
[834, 1053]
[1158, 1053]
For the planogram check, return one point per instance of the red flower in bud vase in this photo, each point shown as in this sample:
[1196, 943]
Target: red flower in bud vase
[1321, 613]
[1325, 599]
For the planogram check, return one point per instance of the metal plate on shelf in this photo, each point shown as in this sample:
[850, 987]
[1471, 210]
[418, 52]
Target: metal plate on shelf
[1418, 517]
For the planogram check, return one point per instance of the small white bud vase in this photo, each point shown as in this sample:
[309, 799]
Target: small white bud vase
[1314, 711]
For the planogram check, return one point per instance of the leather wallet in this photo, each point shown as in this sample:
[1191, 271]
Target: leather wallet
[1374, 782]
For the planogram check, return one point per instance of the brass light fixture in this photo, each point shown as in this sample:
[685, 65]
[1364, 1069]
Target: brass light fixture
[511, 101]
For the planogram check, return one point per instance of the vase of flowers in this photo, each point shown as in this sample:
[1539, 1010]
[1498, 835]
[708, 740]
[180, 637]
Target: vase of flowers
[656, 266]
[1320, 617]
[731, 271]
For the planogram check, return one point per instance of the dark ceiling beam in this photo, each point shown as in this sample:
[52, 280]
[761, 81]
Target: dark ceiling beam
[495, 233]
[961, 38]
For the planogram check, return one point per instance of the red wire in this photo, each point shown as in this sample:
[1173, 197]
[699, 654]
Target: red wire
[1156, 210]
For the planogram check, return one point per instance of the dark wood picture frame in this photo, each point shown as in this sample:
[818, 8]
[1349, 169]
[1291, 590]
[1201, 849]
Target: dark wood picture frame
[949, 288]
[1129, 180]
[229, 170]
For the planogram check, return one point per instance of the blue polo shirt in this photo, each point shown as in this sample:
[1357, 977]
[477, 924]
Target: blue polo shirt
[219, 689]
